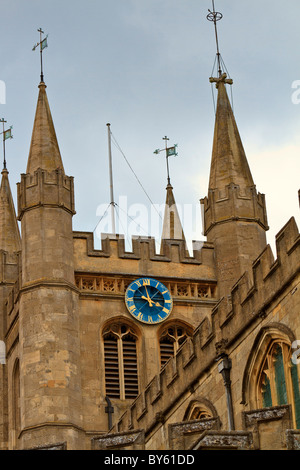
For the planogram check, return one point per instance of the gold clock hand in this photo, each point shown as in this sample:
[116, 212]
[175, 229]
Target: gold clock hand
[148, 299]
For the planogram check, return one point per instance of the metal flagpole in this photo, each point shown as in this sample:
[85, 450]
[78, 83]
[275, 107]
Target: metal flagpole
[6, 135]
[168, 172]
[41, 53]
[42, 44]
[169, 152]
[4, 161]
[112, 201]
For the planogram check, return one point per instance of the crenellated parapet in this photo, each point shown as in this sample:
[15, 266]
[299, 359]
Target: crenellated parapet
[232, 204]
[250, 298]
[45, 188]
[172, 250]
[253, 294]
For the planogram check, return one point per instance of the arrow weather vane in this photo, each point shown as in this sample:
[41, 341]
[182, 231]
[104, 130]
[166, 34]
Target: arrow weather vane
[42, 44]
[6, 135]
[169, 152]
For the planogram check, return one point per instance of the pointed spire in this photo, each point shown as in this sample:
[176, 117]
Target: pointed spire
[44, 151]
[229, 163]
[172, 228]
[10, 240]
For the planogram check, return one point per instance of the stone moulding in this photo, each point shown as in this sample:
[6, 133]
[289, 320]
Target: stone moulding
[112, 285]
[181, 434]
[133, 440]
[230, 440]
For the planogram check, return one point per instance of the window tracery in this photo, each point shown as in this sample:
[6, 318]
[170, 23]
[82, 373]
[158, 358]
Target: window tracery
[120, 359]
[278, 382]
[170, 341]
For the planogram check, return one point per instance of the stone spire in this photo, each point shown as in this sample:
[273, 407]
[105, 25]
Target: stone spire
[234, 213]
[172, 228]
[9, 231]
[229, 163]
[44, 151]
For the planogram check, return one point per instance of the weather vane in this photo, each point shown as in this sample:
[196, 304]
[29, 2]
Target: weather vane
[215, 16]
[43, 44]
[6, 135]
[170, 151]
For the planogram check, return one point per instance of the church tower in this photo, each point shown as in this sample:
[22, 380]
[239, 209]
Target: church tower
[234, 213]
[50, 392]
[10, 246]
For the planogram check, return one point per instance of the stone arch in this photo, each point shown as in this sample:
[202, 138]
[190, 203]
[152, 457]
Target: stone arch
[202, 405]
[267, 334]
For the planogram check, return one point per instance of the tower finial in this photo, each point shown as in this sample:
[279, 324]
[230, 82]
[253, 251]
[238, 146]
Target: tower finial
[169, 152]
[6, 135]
[215, 16]
[42, 44]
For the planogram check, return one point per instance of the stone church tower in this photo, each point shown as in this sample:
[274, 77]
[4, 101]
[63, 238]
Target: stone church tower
[111, 349]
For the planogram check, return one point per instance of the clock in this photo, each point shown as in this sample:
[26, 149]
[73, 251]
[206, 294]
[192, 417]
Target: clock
[148, 301]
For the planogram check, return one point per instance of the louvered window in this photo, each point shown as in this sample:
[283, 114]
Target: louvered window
[121, 368]
[170, 341]
[111, 356]
[278, 382]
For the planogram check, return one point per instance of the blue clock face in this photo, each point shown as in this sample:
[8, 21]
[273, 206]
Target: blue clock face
[148, 300]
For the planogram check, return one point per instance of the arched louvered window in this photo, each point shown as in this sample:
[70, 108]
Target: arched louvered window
[170, 341]
[120, 358]
[278, 382]
[199, 412]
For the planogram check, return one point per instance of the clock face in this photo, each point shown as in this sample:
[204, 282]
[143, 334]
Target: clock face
[148, 300]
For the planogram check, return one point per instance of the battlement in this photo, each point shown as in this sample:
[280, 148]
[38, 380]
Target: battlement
[45, 188]
[234, 203]
[144, 257]
[250, 298]
[252, 295]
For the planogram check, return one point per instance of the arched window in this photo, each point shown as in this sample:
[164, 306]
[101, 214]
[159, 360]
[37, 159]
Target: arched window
[278, 382]
[200, 409]
[199, 412]
[120, 358]
[171, 339]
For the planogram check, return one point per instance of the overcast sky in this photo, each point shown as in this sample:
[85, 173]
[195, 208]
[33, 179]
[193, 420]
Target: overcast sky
[144, 67]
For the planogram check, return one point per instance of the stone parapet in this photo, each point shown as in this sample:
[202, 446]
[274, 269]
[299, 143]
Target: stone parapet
[44, 188]
[234, 204]
[249, 302]
[253, 293]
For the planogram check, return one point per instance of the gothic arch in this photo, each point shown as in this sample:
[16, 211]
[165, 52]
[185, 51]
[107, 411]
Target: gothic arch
[200, 407]
[271, 332]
